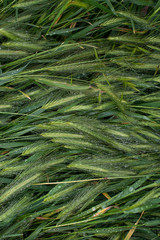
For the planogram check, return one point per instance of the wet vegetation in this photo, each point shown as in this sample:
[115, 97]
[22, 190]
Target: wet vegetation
[80, 119]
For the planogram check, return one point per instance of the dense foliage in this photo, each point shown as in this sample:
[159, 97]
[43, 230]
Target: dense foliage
[79, 119]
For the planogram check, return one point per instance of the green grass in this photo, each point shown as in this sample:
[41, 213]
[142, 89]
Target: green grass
[79, 120]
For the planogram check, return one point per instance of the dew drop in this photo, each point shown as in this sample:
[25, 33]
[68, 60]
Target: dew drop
[93, 208]
[131, 189]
